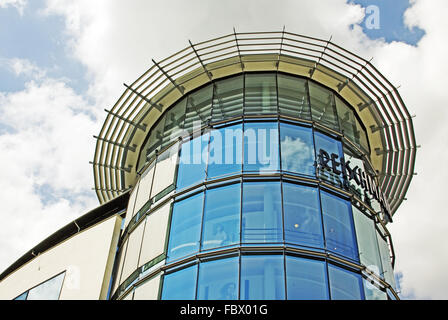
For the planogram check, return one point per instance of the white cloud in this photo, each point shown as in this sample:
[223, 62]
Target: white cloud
[24, 67]
[116, 41]
[18, 4]
[44, 163]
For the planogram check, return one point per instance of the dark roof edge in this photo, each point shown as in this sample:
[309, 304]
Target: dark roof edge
[89, 219]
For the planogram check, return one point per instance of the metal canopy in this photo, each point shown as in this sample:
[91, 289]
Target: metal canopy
[377, 102]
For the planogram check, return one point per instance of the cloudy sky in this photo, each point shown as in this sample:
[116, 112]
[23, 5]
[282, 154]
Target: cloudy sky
[62, 62]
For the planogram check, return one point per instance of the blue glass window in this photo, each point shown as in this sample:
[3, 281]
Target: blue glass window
[49, 290]
[344, 284]
[338, 225]
[221, 225]
[297, 149]
[192, 162]
[329, 145]
[306, 279]
[180, 285]
[226, 151]
[261, 150]
[262, 212]
[22, 296]
[303, 222]
[218, 280]
[185, 227]
[262, 278]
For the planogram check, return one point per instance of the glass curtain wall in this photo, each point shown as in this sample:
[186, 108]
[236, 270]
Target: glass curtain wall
[254, 95]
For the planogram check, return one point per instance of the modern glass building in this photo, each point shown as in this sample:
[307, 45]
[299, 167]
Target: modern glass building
[251, 166]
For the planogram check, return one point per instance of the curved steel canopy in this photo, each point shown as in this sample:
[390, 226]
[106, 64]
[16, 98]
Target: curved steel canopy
[377, 102]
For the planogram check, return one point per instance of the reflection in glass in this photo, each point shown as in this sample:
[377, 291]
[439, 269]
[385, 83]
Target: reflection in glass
[347, 121]
[306, 279]
[292, 97]
[221, 217]
[303, 223]
[218, 280]
[22, 296]
[388, 271]
[49, 290]
[226, 151]
[185, 227]
[297, 149]
[329, 145]
[262, 278]
[260, 94]
[338, 225]
[261, 150]
[372, 291]
[180, 285]
[322, 106]
[344, 285]
[369, 253]
[262, 212]
[228, 98]
[192, 161]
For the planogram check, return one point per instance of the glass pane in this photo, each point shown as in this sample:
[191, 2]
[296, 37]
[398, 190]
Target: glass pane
[48, 290]
[338, 225]
[228, 99]
[185, 227]
[261, 152]
[292, 97]
[218, 280]
[330, 146]
[306, 279]
[347, 121]
[174, 122]
[225, 152]
[262, 212]
[369, 253]
[386, 261]
[180, 285]
[199, 108]
[362, 136]
[22, 296]
[297, 149]
[262, 278]
[354, 161]
[260, 94]
[322, 106]
[303, 222]
[154, 141]
[344, 285]
[372, 292]
[192, 161]
[221, 225]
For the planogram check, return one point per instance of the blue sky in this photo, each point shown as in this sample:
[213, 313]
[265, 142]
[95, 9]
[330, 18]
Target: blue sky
[40, 39]
[391, 24]
[62, 62]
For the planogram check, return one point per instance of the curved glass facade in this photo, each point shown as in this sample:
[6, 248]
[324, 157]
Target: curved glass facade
[246, 211]
[249, 95]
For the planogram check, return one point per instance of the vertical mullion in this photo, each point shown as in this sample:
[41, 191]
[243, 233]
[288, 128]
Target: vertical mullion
[197, 281]
[308, 95]
[284, 275]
